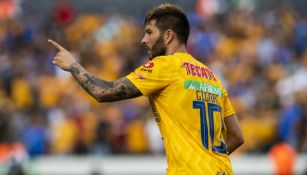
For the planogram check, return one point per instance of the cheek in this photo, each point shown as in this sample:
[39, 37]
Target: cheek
[155, 39]
[149, 39]
[151, 42]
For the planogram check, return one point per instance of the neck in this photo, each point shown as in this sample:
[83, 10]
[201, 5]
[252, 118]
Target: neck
[175, 48]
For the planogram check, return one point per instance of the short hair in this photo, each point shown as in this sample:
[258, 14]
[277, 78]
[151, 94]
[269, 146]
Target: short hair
[170, 16]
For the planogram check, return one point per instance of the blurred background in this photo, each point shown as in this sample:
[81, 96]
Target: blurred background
[49, 125]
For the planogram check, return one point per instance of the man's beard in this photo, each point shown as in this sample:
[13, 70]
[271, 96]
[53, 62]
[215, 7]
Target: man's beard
[158, 48]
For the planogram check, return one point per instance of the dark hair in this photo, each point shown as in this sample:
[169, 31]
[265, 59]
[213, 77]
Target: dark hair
[170, 16]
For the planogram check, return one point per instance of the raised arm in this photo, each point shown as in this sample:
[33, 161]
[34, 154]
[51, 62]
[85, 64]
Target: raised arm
[101, 90]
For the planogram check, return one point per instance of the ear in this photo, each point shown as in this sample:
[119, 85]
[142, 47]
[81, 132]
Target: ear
[169, 36]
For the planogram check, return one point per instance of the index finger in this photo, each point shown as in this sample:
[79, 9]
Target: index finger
[56, 45]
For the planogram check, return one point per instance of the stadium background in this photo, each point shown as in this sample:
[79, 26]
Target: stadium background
[49, 125]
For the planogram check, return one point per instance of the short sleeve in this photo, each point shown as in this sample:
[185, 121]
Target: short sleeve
[152, 76]
[228, 111]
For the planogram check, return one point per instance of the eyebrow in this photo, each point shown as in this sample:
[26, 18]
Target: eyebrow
[148, 30]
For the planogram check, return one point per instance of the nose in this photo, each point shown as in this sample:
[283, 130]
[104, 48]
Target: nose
[144, 40]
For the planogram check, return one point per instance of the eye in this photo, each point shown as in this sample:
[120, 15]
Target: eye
[148, 31]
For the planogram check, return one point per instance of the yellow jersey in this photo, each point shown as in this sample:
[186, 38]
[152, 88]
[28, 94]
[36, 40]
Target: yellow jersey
[189, 104]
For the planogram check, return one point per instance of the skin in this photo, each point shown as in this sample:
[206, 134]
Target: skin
[234, 133]
[158, 44]
[101, 90]
[153, 41]
[104, 91]
[168, 37]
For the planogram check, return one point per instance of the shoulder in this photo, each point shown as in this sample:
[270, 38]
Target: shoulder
[161, 61]
[166, 60]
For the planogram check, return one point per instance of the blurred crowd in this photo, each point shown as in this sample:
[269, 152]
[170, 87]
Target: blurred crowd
[260, 56]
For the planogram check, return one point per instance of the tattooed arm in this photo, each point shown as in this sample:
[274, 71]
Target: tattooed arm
[101, 90]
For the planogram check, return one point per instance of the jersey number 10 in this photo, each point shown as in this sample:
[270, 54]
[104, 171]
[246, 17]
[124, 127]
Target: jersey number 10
[207, 125]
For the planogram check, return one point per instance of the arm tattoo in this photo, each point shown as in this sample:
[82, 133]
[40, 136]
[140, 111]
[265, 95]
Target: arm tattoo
[101, 90]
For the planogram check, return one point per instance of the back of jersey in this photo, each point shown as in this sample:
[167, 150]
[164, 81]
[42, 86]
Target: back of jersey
[190, 105]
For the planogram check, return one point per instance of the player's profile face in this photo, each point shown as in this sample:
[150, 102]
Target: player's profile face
[153, 40]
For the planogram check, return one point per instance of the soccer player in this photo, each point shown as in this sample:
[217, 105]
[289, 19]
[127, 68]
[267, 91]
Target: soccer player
[198, 124]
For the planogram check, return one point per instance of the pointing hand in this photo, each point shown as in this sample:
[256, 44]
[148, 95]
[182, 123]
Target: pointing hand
[63, 58]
